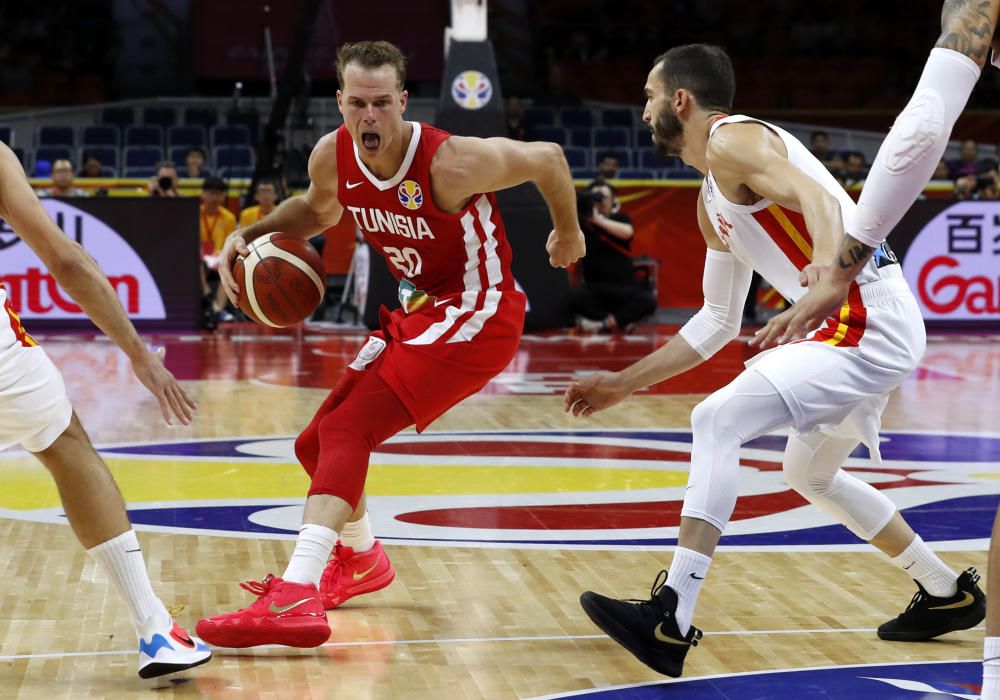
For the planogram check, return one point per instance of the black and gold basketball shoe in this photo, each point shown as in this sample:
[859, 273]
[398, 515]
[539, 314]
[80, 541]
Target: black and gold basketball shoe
[647, 628]
[928, 616]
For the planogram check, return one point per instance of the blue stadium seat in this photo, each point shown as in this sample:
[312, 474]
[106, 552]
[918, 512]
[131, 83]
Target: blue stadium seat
[555, 134]
[144, 136]
[612, 137]
[52, 153]
[681, 174]
[163, 117]
[583, 137]
[538, 116]
[108, 171]
[584, 174]
[577, 157]
[204, 117]
[108, 155]
[637, 174]
[642, 137]
[231, 173]
[648, 158]
[101, 135]
[228, 157]
[237, 135]
[187, 136]
[140, 161]
[618, 117]
[623, 155]
[6, 135]
[249, 119]
[576, 117]
[119, 116]
[55, 136]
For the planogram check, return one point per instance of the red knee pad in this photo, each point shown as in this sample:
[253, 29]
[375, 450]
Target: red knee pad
[307, 443]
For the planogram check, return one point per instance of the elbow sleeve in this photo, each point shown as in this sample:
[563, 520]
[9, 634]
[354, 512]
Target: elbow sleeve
[726, 282]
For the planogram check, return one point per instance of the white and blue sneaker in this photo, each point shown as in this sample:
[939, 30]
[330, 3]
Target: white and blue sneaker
[168, 648]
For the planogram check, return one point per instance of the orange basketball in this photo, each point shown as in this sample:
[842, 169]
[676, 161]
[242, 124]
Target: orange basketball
[281, 281]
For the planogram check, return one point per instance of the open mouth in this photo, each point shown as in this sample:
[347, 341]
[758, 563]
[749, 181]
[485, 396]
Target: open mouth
[370, 141]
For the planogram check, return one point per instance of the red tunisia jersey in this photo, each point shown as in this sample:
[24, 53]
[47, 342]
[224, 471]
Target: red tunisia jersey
[437, 257]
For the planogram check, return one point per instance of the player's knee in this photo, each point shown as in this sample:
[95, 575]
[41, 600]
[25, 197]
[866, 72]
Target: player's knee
[920, 132]
[804, 479]
[713, 419]
[307, 449]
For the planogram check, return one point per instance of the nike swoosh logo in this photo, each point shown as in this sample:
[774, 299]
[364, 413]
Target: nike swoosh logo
[358, 576]
[906, 568]
[697, 578]
[185, 640]
[276, 609]
[439, 302]
[658, 633]
[352, 185]
[967, 600]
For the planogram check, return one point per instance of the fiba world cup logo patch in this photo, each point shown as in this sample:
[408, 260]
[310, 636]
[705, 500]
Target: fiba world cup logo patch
[410, 195]
[471, 90]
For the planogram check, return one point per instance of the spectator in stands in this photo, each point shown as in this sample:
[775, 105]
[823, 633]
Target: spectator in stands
[91, 166]
[942, 171]
[610, 299]
[515, 122]
[194, 164]
[819, 145]
[968, 161]
[62, 182]
[855, 169]
[266, 196]
[217, 222]
[985, 186]
[839, 176]
[164, 183]
[608, 167]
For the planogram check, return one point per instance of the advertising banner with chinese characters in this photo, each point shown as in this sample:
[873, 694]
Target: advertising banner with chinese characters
[951, 258]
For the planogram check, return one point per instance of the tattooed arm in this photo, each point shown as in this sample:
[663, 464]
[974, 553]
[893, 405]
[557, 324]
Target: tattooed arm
[968, 26]
[823, 298]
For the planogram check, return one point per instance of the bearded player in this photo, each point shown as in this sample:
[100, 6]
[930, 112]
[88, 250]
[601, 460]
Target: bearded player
[423, 199]
[767, 204]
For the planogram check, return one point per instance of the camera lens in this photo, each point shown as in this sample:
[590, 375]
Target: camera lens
[165, 182]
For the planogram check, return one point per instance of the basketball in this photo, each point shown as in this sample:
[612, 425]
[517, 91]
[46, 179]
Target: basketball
[281, 281]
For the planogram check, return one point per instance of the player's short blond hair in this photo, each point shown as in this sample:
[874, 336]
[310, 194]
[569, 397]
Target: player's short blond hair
[371, 55]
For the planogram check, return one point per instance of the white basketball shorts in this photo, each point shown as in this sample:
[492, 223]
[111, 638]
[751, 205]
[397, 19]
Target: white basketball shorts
[838, 380]
[34, 407]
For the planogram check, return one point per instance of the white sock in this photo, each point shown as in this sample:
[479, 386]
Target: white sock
[358, 534]
[121, 560]
[312, 550]
[924, 566]
[907, 158]
[991, 669]
[686, 576]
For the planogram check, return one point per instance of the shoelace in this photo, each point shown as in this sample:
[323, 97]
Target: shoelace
[659, 582]
[334, 566]
[259, 588]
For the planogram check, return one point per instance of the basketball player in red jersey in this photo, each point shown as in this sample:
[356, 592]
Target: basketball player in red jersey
[423, 199]
[36, 414]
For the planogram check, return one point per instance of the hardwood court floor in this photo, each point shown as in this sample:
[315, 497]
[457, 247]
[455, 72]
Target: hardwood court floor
[496, 520]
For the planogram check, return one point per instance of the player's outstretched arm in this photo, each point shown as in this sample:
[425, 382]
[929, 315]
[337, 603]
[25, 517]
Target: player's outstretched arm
[80, 276]
[725, 283]
[466, 166]
[305, 216]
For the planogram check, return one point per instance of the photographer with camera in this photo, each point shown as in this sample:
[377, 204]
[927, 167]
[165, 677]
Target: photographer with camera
[164, 183]
[610, 298]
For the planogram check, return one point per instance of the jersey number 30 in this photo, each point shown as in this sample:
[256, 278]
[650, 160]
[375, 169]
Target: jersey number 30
[406, 260]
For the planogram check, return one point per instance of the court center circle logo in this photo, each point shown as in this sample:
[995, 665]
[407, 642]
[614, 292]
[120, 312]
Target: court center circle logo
[547, 488]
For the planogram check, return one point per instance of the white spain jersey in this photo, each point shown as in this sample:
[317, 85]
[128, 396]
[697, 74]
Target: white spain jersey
[774, 240]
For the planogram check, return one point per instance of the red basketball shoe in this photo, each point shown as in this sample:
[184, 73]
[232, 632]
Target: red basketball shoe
[349, 574]
[284, 613]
